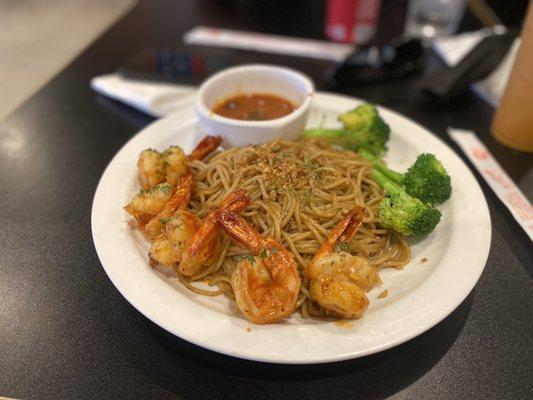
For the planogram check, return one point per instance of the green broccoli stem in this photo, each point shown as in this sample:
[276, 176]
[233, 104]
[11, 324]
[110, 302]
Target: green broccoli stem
[324, 132]
[386, 183]
[378, 165]
[333, 136]
[349, 141]
[367, 154]
[393, 175]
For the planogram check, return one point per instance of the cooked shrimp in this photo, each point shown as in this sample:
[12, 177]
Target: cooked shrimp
[168, 247]
[176, 160]
[266, 285]
[338, 279]
[205, 247]
[175, 164]
[151, 167]
[189, 245]
[171, 165]
[179, 200]
[148, 203]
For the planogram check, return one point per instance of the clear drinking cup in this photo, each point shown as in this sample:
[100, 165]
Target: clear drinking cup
[430, 18]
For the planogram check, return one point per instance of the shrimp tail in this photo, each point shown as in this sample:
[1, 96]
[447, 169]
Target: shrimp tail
[356, 220]
[239, 230]
[201, 238]
[182, 195]
[345, 230]
[202, 250]
[206, 146]
[235, 202]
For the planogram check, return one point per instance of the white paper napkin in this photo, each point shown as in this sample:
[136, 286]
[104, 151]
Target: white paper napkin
[491, 88]
[452, 49]
[154, 98]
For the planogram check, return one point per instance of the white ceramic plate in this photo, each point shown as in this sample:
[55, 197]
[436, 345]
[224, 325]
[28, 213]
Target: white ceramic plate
[420, 295]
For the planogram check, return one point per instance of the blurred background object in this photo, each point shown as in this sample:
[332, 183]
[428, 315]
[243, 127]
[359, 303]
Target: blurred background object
[38, 38]
[394, 60]
[513, 122]
[484, 13]
[476, 64]
[352, 21]
[430, 18]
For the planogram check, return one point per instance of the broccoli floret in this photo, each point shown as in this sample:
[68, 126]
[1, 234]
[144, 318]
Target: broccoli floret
[426, 179]
[405, 214]
[363, 129]
[367, 128]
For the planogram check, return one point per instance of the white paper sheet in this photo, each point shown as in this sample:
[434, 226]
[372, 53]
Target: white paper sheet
[502, 185]
[267, 43]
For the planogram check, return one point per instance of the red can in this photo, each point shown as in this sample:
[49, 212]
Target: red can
[352, 21]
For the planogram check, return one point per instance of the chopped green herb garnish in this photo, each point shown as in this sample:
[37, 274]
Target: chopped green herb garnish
[247, 257]
[165, 189]
[311, 165]
[157, 188]
[164, 220]
[342, 247]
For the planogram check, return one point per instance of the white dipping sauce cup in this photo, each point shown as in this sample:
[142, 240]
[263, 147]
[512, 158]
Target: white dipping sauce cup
[255, 78]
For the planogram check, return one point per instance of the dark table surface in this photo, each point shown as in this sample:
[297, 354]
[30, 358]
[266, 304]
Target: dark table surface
[66, 332]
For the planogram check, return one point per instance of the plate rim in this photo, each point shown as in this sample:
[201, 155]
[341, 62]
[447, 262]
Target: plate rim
[220, 348]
